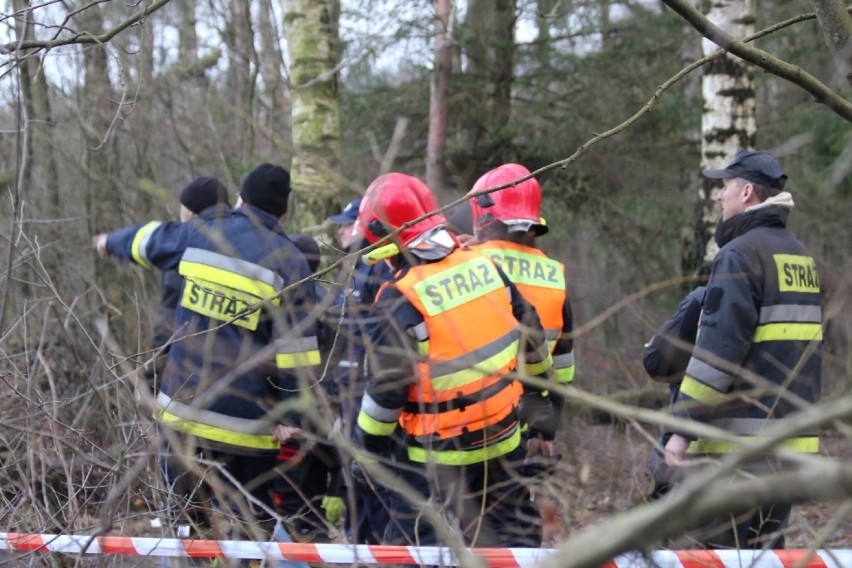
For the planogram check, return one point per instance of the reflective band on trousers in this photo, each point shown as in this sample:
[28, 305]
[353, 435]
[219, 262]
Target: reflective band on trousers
[213, 426]
[460, 457]
[805, 445]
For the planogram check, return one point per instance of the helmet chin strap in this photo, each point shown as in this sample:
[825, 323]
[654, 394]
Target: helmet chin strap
[434, 244]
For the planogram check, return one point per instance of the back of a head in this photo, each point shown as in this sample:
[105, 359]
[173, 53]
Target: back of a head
[518, 207]
[309, 247]
[203, 192]
[391, 201]
[267, 187]
[460, 219]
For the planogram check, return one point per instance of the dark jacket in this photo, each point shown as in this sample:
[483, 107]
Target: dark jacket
[758, 353]
[231, 367]
[668, 352]
[351, 321]
[170, 285]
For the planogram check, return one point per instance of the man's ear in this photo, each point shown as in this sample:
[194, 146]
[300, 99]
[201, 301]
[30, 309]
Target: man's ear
[749, 195]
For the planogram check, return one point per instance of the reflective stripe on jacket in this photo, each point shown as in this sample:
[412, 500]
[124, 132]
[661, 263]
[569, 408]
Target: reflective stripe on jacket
[462, 409]
[758, 351]
[231, 359]
[255, 434]
[541, 281]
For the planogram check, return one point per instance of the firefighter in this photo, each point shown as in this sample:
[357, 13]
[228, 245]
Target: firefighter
[758, 352]
[308, 476]
[441, 368]
[204, 198]
[359, 284]
[665, 358]
[506, 224]
[235, 374]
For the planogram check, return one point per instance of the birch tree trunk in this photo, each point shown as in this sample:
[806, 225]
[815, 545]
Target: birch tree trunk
[728, 122]
[439, 111]
[312, 50]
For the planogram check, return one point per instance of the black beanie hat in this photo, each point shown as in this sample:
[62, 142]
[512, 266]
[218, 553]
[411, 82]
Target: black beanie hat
[203, 192]
[267, 187]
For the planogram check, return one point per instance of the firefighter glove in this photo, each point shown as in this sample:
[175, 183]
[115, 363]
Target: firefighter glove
[334, 508]
[538, 416]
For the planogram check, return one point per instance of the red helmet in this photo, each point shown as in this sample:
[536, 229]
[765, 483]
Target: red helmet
[518, 207]
[391, 201]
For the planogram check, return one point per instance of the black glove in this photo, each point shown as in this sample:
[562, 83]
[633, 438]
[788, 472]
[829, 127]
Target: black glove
[537, 414]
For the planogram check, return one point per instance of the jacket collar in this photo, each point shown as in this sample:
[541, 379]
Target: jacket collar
[764, 215]
[218, 211]
[259, 217]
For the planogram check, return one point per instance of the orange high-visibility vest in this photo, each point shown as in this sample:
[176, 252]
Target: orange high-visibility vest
[462, 409]
[539, 279]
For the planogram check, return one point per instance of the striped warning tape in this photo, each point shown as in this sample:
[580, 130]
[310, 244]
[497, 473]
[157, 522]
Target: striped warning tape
[422, 555]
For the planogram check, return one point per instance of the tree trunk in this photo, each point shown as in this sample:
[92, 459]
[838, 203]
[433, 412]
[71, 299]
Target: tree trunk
[490, 45]
[313, 47]
[139, 55]
[836, 25]
[188, 42]
[439, 111]
[544, 11]
[728, 122]
[694, 233]
[271, 60]
[103, 194]
[40, 179]
[240, 44]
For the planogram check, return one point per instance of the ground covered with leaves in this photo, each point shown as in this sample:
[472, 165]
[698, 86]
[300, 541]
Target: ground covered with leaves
[603, 472]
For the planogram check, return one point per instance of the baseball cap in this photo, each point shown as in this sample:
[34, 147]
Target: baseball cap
[755, 166]
[349, 213]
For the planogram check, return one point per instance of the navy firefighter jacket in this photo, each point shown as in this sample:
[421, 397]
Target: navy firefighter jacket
[351, 315]
[231, 367]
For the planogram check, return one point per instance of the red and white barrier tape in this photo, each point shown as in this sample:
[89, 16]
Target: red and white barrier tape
[416, 555]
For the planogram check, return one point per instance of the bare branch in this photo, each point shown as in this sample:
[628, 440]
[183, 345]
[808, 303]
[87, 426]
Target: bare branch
[822, 93]
[710, 494]
[85, 37]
